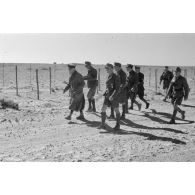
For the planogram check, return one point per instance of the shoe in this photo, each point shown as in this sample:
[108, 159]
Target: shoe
[90, 110]
[111, 117]
[139, 107]
[183, 115]
[147, 105]
[81, 117]
[122, 117]
[172, 121]
[131, 108]
[68, 117]
[117, 127]
[102, 126]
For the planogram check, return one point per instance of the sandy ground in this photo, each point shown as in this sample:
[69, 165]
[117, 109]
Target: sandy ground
[40, 132]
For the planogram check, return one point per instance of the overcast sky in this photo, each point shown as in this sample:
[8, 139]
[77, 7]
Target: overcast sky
[145, 49]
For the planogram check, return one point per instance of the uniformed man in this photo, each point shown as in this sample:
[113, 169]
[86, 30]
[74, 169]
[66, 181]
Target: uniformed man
[122, 90]
[141, 89]
[132, 86]
[111, 96]
[166, 77]
[178, 90]
[75, 85]
[92, 84]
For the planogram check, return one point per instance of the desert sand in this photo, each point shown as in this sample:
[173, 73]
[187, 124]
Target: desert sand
[40, 132]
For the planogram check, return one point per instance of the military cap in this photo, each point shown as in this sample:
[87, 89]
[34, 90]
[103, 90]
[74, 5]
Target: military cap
[178, 69]
[71, 65]
[129, 66]
[137, 67]
[117, 64]
[87, 63]
[108, 65]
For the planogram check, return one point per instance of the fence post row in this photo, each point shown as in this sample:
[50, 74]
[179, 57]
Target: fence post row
[37, 80]
[156, 80]
[149, 76]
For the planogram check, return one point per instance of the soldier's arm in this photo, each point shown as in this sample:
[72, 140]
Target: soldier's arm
[186, 89]
[134, 88]
[117, 87]
[66, 88]
[161, 78]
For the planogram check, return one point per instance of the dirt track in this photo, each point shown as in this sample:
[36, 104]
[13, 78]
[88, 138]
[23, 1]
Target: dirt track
[39, 132]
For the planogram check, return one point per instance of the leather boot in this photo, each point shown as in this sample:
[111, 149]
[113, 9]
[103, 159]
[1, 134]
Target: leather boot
[93, 105]
[103, 125]
[117, 126]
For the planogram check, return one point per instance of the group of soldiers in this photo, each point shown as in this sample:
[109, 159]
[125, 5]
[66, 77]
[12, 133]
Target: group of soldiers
[119, 89]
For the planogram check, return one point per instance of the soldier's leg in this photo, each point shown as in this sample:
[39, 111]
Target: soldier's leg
[132, 98]
[89, 100]
[117, 126]
[111, 113]
[182, 112]
[123, 111]
[103, 117]
[172, 121]
[70, 115]
[92, 95]
[141, 97]
[137, 103]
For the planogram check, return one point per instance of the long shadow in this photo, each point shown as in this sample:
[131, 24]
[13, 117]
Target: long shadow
[188, 106]
[167, 115]
[130, 123]
[147, 135]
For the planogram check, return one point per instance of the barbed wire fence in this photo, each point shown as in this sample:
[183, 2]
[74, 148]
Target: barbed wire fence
[37, 80]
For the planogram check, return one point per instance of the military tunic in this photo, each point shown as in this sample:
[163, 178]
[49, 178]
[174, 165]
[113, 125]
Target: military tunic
[141, 89]
[178, 89]
[132, 85]
[76, 85]
[122, 91]
[166, 77]
[92, 82]
[112, 90]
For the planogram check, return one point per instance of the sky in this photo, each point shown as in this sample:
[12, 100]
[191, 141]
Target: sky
[135, 48]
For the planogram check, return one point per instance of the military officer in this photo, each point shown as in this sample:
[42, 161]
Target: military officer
[92, 84]
[141, 89]
[178, 90]
[75, 85]
[166, 77]
[111, 96]
[132, 86]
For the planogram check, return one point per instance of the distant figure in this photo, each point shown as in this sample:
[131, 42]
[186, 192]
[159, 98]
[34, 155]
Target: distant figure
[132, 86]
[166, 77]
[178, 90]
[141, 89]
[92, 84]
[75, 85]
[111, 98]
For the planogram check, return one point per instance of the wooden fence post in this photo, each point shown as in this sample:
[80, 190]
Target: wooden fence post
[149, 76]
[3, 75]
[50, 79]
[30, 75]
[37, 80]
[99, 79]
[17, 80]
[156, 80]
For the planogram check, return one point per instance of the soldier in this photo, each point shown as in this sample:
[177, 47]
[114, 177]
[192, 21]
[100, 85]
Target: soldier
[178, 90]
[122, 90]
[75, 85]
[166, 77]
[132, 86]
[141, 89]
[92, 84]
[111, 96]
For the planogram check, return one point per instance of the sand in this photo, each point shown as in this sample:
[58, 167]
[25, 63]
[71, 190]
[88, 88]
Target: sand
[40, 132]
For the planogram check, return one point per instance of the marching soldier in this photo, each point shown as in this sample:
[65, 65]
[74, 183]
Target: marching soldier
[122, 91]
[75, 85]
[141, 89]
[178, 90]
[92, 84]
[132, 86]
[111, 96]
[166, 77]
